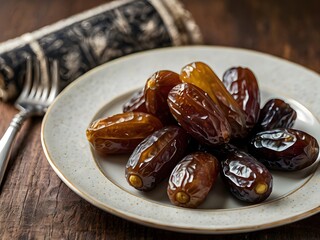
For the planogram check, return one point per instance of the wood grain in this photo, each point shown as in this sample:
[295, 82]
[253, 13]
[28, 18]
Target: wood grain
[35, 204]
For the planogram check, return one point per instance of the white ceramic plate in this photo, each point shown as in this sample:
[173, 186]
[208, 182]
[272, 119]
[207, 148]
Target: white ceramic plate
[102, 92]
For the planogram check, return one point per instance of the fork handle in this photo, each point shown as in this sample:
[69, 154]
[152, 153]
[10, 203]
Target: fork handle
[7, 140]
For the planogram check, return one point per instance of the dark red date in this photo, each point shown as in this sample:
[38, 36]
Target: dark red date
[155, 157]
[192, 179]
[198, 114]
[246, 178]
[276, 114]
[285, 149]
[243, 86]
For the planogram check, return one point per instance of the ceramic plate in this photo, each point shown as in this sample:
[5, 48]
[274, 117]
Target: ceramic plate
[102, 91]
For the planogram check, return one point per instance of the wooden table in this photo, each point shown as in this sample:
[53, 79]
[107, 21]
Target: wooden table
[36, 204]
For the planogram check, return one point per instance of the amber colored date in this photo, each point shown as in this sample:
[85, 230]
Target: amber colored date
[201, 75]
[192, 179]
[285, 149]
[136, 103]
[246, 178]
[243, 86]
[156, 92]
[155, 157]
[121, 133]
[276, 114]
[198, 114]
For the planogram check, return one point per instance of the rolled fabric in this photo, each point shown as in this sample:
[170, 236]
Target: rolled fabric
[96, 36]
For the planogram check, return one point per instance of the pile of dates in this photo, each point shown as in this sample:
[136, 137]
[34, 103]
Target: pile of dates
[191, 127]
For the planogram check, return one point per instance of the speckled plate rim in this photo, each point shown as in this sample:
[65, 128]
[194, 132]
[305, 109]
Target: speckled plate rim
[71, 157]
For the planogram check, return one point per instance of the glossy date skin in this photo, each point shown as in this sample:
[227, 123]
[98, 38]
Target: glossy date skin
[136, 103]
[121, 133]
[155, 157]
[247, 179]
[201, 75]
[276, 114]
[198, 114]
[243, 86]
[156, 92]
[192, 179]
[285, 149]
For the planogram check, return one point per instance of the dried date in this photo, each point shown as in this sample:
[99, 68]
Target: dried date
[192, 179]
[198, 114]
[121, 133]
[276, 114]
[155, 157]
[243, 86]
[246, 178]
[201, 75]
[284, 149]
[156, 92]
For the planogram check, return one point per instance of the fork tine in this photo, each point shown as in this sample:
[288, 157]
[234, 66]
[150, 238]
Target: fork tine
[54, 89]
[36, 80]
[43, 76]
[40, 95]
[28, 79]
[45, 81]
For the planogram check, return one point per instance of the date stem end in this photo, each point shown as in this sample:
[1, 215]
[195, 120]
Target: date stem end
[182, 197]
[135, 181]
[261, 188]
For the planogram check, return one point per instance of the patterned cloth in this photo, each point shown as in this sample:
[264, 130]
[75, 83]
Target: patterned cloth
[94, 37]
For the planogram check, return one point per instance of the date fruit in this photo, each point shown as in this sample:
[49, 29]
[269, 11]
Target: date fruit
[243, 86]
[156, 92]
[246, 178]
[198, 114]
[192, 179]
[201, 75]
[155, 157]
[284, 149]
[276, 114]
[136, 103]
[121, 133]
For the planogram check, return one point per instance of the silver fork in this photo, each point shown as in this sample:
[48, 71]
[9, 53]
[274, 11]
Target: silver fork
[40, 89]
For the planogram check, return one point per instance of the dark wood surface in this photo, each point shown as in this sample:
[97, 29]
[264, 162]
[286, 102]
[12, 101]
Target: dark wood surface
[36, 204]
